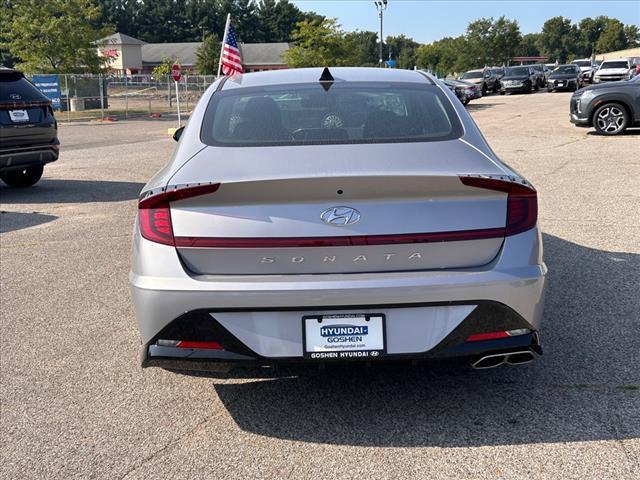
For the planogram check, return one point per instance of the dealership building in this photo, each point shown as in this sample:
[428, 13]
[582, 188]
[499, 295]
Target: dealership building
[127, 55]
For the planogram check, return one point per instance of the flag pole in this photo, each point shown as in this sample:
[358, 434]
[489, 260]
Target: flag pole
[224, 39]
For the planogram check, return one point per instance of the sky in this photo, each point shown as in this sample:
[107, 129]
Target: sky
[427, 21]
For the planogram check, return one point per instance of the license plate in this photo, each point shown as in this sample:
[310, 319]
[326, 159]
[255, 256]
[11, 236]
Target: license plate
[344, 337]
[18, 116]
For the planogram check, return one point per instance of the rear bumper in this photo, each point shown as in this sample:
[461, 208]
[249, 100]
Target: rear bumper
[263, 314]
[17, 158]
[485, 316]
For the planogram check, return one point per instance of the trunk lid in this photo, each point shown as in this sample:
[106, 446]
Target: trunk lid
[337, 209]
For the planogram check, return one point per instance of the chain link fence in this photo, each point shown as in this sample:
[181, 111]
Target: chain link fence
[110, 97]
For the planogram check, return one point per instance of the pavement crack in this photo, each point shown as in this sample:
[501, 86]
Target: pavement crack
[164, 448]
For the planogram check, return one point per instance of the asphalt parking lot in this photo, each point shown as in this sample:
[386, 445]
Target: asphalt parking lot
[75, 403]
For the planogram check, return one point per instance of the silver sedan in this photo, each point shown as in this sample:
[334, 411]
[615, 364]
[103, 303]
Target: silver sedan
[348, 214]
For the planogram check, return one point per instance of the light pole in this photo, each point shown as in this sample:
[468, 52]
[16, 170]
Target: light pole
[381, 6]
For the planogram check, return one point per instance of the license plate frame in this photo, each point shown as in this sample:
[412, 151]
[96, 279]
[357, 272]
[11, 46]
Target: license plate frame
[19, 116]
[378, 321]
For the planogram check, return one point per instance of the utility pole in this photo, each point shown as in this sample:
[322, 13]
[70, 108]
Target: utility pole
[381, 6]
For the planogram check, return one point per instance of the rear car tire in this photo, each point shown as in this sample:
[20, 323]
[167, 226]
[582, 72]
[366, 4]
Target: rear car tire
[610, 119]
[22, 178]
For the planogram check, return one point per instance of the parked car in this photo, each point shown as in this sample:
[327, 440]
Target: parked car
[28, 130]
[465, 91]
[519, 80]
[566, 77]
[393, 233]
[610, 107]
[613, 70]
[541, 73]
[487, 80]
[587, 68]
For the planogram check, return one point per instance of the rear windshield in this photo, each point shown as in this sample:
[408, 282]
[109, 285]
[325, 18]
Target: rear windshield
[14, 88]
[614, 65]
[582, 63]
[345, 113]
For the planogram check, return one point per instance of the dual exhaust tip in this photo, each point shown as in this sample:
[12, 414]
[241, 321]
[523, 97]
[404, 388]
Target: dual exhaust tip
[510, 358]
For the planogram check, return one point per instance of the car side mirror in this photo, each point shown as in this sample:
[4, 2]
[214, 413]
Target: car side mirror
[178, 133]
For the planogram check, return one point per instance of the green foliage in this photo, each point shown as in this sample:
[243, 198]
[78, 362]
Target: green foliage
[529, 45]
[442, 57]
[363, 48]
[318, 44]
[207, 55]
[490, 42]
[559, 39]
[403, 50]
[613, 37]
[164, 68]
[54, 36]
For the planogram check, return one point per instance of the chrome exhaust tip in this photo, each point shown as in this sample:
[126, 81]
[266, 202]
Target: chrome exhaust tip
[510, 358]
[518, 358]
[489, 361]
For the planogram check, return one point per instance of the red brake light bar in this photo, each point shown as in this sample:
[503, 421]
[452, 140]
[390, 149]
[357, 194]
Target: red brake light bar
[522, 202]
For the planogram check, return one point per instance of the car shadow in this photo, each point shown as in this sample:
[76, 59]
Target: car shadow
[586, 386]
[633, 131]
[476, 107]
[11, 221]
[71, 191]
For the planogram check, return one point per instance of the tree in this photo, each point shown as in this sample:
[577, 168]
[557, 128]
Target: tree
[613, 37]
[590, 30]
[403, 50]
[318, 44]
[442, 57]
[55, 36]
[505, 39]
[278, 18]
[363, 46]
[490, 42]
[208, 55]
[164, 68]
[529, 45]
[559, 39]
[633, 36]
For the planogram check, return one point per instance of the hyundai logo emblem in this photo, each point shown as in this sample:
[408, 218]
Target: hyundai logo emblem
[340, 216]
[15, 96]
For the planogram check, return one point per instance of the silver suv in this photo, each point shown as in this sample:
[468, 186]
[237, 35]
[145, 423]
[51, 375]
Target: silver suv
[485, 77]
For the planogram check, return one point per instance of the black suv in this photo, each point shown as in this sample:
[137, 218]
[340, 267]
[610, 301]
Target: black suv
[608, 107]
[28, 130]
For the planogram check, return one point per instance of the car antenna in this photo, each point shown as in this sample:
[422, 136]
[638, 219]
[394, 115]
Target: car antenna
[326, 79]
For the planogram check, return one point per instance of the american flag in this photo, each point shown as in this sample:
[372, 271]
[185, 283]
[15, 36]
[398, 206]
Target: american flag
[231, 58]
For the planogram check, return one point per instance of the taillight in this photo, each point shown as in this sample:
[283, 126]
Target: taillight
[154, 213]
[522, 202]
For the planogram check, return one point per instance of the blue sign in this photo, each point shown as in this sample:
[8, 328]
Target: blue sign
[391, 63]
[49, 85]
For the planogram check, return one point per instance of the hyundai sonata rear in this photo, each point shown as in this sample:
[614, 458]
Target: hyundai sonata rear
[315, 216]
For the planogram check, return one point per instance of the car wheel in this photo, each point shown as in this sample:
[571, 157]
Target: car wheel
[22, 178]
[550, 90]
[502, 93]
[536, 87]
[484, 89]
[610, 119]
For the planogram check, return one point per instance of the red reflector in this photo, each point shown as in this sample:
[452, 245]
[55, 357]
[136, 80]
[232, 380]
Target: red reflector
[209, 345]
[478, 337]
[154, 214]
[522, 202]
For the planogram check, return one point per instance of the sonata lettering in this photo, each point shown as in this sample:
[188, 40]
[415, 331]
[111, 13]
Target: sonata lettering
[334, 258]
